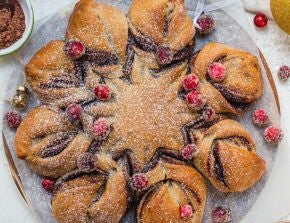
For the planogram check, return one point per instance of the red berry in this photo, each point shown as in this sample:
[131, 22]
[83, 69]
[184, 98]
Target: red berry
[74, 49]
[47, 184]
[74, 112]
[221, 215]
[164, 55]
[189, 151]
[86, 161]
[186, 211]
[190, 82]
[217, 72]
[284, 72]
[208, 113]
[260, 117]
[195, 100]
[273, 134]
[206, 23]
[13, 119]
[139, 182]
[260, 20]
[102, 92]
[101, 129]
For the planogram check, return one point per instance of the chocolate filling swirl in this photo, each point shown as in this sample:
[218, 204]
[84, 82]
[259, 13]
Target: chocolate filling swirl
[58, 144]
[218, 170]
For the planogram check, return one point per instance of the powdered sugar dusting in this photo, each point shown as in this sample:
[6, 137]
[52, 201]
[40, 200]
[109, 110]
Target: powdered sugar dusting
[160, 111]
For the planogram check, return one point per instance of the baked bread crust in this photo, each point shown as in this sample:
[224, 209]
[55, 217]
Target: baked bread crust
[227, 157]
[99, 27]
[54, 77]
[242, 85]
[160, 23]
[99, 195]
[49, 142]
[145, 121]
[172, 185]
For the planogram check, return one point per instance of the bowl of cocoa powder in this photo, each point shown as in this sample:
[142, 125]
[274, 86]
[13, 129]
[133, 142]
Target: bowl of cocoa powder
[15, 26]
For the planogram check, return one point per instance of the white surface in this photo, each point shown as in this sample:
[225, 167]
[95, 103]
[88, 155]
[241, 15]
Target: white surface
[276, 47]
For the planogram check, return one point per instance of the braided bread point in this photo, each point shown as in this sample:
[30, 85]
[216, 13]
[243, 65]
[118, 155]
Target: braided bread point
[154, 24]
[98, 195]
[54, 77]
[104, 31]
[242, 84]
[172, 185]
[227, 157]
[49, 142]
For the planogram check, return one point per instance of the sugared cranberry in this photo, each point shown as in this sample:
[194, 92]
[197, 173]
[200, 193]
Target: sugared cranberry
[102, 92]
[260, 117]
[13, 119]
[195, 100]
[74, 49]
[189, 151]
[86, 161]
[47, 184]
[206, 23]
[101, 129]
[221, 215]
[260, 20]
[190, 82]
[139, 182]
[208, 113]
[217, 72]
[284, 72]
[74, 112]
[273, 134]
[164, 55]
[186, 211]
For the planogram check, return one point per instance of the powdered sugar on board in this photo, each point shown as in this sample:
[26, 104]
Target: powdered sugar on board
[228, 32]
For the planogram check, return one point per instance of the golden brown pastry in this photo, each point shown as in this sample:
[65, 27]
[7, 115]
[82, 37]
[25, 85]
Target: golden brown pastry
[49, 142]
[98, 195]
[227, 157]
[162, 30]
[55, 78]
[242, 84]
[172, 186]
[124, 125]
[103, 30]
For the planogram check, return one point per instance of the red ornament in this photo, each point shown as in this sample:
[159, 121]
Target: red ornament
[208, 113]
[102, 92]
[284, 73]
[164, 55]
[186, 211]
[221, 215]
[260, 20]
[217, 72]
[86, 161]
[195, 100]
[47, 184]
[139, 182]
[206, 23]
[260, 117]
[273, 134]
[101, 129]
[74, 49]
[13, 119]
[190, 82]
[189, 151]
[74, 112]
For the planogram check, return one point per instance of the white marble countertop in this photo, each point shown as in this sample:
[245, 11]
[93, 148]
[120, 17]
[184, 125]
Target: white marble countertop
[274, 44]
